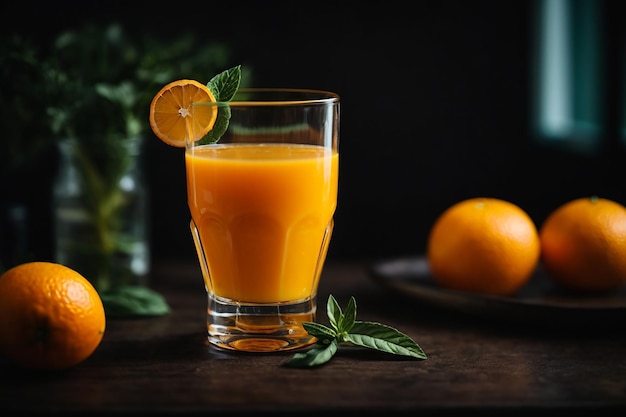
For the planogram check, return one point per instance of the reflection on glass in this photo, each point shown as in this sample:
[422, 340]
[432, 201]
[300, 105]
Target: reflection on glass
[569, 83]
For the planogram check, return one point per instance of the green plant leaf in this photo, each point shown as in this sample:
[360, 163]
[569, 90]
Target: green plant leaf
[333, 310]
[225, 84]
[220, 126]
[384, 338]
[133, 301]
[321, 332]
[346, 329]
[315, 356]
[348, 317]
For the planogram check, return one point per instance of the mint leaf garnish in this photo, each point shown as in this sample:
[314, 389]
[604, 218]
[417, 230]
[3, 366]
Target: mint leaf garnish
[224, 86]
[220, 126]
[346, 329]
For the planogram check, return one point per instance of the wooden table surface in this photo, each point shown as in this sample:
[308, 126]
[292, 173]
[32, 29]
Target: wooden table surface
[163, 364]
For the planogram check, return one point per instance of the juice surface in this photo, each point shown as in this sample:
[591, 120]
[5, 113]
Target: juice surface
[264, 214]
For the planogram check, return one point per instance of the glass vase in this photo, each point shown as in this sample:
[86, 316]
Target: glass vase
[100, 204]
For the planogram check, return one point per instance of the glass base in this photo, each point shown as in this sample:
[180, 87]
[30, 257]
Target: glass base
[252, 327]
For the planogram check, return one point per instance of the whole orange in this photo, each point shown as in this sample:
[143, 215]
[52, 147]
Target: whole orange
[583, 244]
[51, 317]
[483, 245]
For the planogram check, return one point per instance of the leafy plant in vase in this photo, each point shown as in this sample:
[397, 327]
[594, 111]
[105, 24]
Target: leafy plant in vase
[97, 82]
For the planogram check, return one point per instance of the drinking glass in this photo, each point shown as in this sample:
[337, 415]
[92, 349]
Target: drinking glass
[262, 200]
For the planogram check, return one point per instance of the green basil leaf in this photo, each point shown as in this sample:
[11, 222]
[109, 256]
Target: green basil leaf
[315, 356]
[384, 338]
[334, 312]
[348, 317]
[345, 328]
[321, 332]
[133, 301]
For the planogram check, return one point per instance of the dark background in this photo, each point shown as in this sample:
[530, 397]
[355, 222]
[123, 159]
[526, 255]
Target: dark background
[437, 107]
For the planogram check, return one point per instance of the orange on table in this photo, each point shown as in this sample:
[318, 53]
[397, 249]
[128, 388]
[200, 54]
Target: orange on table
[172, 118]
[51, 317]
[483, 245]
[583, 245]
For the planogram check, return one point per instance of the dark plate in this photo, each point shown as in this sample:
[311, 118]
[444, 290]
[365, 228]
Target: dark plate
[540, 301]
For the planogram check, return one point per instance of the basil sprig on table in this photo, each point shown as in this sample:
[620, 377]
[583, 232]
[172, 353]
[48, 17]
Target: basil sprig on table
[346, 329]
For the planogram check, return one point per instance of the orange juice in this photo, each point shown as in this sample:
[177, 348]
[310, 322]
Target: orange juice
[264, 215]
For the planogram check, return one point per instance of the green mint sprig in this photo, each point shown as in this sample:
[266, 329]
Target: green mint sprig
[223, 86]
[346, 329]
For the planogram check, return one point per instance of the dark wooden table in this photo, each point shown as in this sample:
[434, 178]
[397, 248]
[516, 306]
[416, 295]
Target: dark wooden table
[163, 364]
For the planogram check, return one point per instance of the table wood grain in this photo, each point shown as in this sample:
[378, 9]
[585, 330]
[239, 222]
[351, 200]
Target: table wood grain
[163, 364]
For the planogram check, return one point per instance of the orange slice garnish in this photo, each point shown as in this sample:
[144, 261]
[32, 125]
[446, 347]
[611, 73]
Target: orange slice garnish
[173, 117]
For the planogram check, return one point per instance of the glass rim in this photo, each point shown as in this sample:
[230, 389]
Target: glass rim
[301, 96]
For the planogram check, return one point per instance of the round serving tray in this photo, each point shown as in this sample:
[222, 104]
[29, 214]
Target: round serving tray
[539, 302]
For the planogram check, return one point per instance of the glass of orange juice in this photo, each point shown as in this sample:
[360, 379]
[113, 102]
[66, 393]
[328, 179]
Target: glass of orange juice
[262, 200]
